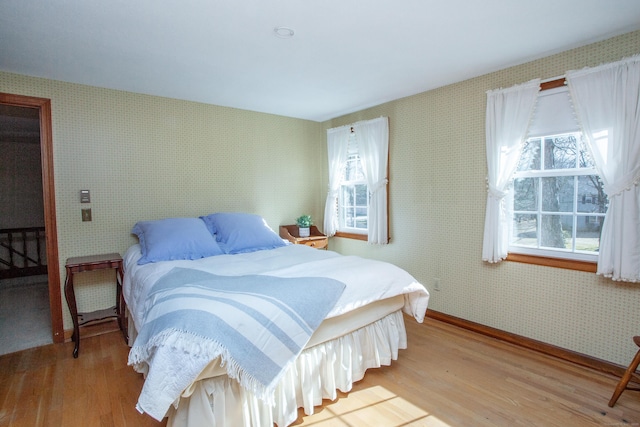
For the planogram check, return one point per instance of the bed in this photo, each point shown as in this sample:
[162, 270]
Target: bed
[302, 323]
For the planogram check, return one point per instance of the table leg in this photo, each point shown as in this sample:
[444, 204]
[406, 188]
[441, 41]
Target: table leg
[70, 296]
[121, 305]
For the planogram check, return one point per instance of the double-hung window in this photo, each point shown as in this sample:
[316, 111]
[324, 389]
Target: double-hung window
[557, 199]
[353, 201]
[356, 205]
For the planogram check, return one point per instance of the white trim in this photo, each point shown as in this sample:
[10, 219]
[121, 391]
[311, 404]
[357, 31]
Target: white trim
[554, 253]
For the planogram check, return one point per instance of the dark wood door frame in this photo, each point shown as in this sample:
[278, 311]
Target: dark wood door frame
[48, 193]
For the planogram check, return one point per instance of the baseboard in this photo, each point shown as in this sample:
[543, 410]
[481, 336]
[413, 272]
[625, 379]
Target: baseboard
[531, 344]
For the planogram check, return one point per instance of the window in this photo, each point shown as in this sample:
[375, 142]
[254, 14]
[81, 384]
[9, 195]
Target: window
[356, 205]
[353, 202]
[557, 199]
[606, 101]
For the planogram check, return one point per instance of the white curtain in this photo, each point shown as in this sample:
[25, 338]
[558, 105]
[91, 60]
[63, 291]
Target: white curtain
[337, 144]
[373, 147]
[509, 112]
[606, 100]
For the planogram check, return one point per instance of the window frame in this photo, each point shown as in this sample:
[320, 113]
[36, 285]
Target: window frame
[353, 156]
[365, 236]
[539, 174]
[560, 260]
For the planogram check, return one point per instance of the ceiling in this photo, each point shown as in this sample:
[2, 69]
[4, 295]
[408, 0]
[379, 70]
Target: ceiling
[344, 56]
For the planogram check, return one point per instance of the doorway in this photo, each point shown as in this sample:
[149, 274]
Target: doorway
[40, 109]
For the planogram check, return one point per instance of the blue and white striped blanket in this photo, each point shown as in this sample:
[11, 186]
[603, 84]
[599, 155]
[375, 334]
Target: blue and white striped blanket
[257, 324]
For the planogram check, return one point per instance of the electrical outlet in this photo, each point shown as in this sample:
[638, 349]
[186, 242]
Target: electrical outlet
[86, 215]
[436, 284]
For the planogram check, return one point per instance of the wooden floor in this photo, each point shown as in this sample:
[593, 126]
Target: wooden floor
[47, 387]
[447, 377]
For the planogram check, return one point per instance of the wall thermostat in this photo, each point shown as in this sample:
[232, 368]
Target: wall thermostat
[85, 197]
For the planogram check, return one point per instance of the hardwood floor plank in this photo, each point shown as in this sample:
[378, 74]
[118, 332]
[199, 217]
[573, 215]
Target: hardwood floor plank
[448, 377]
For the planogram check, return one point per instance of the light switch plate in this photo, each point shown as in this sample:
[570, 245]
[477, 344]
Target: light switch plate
[86, 215]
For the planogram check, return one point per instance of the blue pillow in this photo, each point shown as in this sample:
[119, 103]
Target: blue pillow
[241, 232]
[173, 239]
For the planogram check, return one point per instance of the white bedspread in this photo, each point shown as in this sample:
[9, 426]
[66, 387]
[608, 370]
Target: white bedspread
[366, 280]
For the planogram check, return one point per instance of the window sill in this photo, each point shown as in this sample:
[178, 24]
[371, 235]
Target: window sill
[354, 236]
[569, 264]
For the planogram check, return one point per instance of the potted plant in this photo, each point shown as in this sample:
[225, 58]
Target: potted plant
[304, 223]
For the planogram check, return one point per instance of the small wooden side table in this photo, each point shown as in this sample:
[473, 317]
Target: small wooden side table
[92, 263]
[315, 239]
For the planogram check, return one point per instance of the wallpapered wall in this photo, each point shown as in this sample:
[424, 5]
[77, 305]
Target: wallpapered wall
[146, 157]
[438, 199]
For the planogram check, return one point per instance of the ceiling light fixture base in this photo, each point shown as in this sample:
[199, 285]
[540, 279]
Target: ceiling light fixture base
[283, 32]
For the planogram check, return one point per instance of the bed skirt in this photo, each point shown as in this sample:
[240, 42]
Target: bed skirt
[316, 375]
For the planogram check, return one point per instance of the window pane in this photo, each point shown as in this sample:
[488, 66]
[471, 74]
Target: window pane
[555, 231]
[591, 196]
[525, 230]
[560, 152]
[584, 160]
[353, 170]
[348, 198]
[349, 216]
[530, 157]
[362, 195]
[588, 233]
[361, 218]
[525, 194]
[557, 194]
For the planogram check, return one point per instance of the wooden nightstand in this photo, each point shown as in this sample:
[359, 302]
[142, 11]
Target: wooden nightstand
[92, 263]
[316, 239]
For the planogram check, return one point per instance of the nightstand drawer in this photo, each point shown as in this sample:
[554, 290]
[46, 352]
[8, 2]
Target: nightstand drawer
[317, 243]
